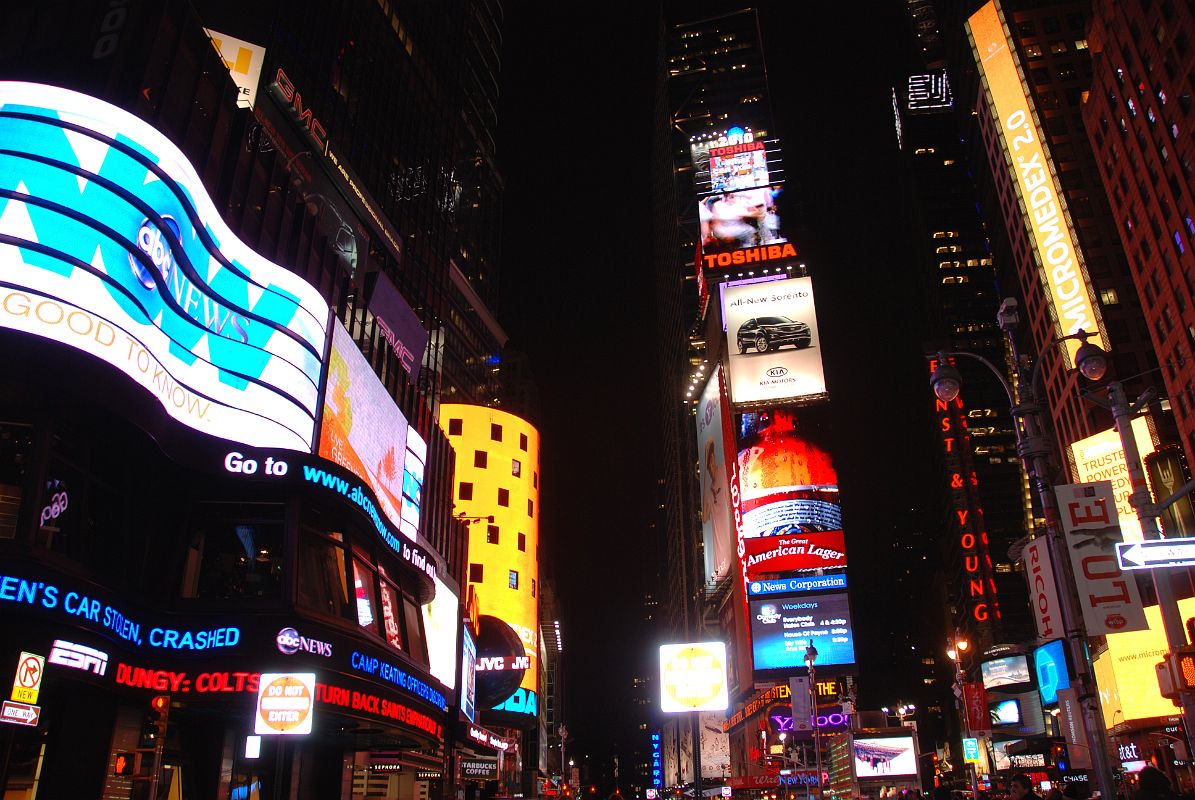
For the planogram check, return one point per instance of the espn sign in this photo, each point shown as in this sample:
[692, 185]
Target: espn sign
[77, 656]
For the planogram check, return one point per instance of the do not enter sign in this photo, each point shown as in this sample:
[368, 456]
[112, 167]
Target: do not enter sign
[284, 703]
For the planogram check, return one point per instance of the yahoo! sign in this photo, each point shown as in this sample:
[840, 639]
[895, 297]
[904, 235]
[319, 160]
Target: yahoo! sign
[831, 718]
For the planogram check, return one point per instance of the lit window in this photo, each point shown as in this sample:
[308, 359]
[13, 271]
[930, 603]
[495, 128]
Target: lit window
[516, 467]
[1108, 297]
[1058, 47]
[1033, 51]
[512, 579]
[1080, 44]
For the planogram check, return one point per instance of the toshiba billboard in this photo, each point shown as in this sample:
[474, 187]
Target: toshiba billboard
[1042, 205]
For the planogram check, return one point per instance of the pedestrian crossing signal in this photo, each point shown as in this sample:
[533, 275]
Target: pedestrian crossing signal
[123, 765]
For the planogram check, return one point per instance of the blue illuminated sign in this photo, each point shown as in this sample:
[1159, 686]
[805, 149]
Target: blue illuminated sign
[783, 627]
[1049, 661]
[93, 613]
[109, 244]
[812, 583]
[657, 761]
[523, 701]
[383, 669]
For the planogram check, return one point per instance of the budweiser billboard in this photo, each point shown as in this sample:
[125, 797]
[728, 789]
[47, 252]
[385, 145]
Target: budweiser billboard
[793, 552]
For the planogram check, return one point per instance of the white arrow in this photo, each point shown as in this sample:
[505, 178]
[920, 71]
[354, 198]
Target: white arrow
[1156, 553]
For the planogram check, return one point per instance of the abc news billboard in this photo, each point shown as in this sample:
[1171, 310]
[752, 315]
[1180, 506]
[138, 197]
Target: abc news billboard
[772, 338]
[110, 244]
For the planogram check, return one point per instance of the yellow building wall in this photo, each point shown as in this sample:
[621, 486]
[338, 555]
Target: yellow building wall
[513, 448]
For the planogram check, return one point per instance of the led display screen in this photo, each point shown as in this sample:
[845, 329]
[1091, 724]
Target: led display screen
[362, 429]
[1007, 671]
[468, 675]
[1042, 203]
[739, 220]
[884, 757]
[783, 627]
[1100, 457]
[738, 166]
[500, 466]
[1005, 712]
[440, 622]
[1128, 684]
[109, 244]
[787, 481]
[812, 583]
[717, 522]
[772, 338]
[792, 552]
[1049, 661]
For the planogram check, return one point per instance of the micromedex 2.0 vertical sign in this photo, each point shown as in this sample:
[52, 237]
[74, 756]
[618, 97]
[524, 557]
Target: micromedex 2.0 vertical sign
[109, 244]
[1038, 192]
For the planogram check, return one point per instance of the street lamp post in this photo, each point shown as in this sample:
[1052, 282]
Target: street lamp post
[810, 659]
[957, 647]
[1034, 449]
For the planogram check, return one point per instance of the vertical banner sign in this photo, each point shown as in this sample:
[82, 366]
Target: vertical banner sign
[1070, 719]
[1110, 601]
[975, 701]
[967, 521]
[717, 520]
[802, 708]
[1043, 589]
[1043, 207]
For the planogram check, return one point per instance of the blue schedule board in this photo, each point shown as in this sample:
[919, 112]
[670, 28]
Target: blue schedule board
[782, 627]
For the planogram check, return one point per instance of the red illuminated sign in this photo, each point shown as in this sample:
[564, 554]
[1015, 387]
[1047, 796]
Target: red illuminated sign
[794, 551]
[305, 116]
[326, 694]
[967, 517]
[975, 698]
[750, 255]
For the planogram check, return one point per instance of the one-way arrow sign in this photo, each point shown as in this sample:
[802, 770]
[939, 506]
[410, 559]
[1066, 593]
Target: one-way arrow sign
[1156, 553]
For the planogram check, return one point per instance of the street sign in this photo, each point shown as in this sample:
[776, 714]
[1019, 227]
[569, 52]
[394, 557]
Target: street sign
[971, 750]
[27, 681]
[19, 713]
[284, 703]
[1156, 553]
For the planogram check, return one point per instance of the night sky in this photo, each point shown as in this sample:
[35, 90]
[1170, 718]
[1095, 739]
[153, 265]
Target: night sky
[578, 293]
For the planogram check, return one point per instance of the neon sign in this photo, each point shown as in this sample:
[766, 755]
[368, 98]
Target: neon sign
[77, 656]
[388, 672]
[968, 525]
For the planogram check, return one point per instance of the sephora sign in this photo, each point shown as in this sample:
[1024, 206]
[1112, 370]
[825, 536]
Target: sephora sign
[110, 244]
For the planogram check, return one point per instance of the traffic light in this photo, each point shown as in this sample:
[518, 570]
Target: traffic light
[123, 764]
[159, 706]
[1177, 673]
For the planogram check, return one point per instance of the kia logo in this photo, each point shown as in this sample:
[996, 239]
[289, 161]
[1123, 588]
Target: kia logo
[776, 372]
[1115, 621]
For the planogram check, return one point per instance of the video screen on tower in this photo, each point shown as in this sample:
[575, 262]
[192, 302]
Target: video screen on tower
[782, 628]
[883, 758]
[773, 340]
[787, 481]
[741, 166]
[737, 220]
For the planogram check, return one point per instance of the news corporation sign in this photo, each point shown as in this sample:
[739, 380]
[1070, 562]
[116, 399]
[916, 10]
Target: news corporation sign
[110, 244]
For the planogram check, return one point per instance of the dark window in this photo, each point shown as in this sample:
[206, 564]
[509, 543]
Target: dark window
[504, 497]
[1026, 28]
[466, 492]
[480, 459]
[522, 543]
[235, 551]
[455, 427]
[522, 441]
[364, 585]
[16, 445]
[1050, 25]
[323, 576]
[476, 573]
[495, 432]
[535, 479]
[530, 508]
[491, 534]
[416, 644]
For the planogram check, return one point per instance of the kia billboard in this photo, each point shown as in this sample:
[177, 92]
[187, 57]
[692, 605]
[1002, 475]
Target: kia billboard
[783, 627]
[717, 520]
[772, 337]
[793, 552]
[787, 481]
[110, 244]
